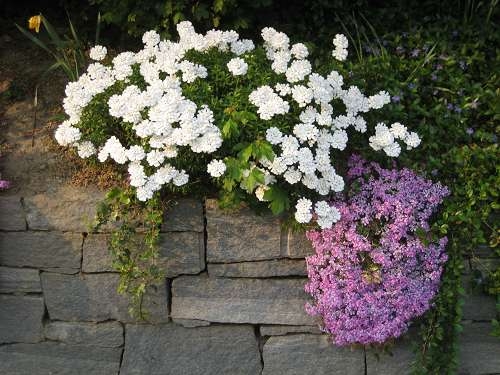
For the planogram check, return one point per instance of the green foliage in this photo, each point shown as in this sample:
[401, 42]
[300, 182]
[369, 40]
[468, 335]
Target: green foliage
[137, 16]
[133, 242]
[67, 51]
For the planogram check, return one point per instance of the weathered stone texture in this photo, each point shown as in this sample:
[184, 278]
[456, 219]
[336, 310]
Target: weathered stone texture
[309, 355]
[19, 280]
[52, 251]
[179, 253]
[105, 335]
[295, 244]
[96, 255]
[20, 319]
[264, 268]
[67, 209]
[50, 358]
[12, 217]
[399, 363]
[94, 297]
[240, 236]
[184, 215]
[276, 330]
[271, 301]
[190, 323]
[479, 307]
[479, 351]
[173, 350]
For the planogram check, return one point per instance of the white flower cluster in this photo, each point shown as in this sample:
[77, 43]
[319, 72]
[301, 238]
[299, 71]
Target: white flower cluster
[216, 168]
[98, 53]
[164, 120]
[161, 117]
[237, 66]
[304, 155]
[385, 138]
[340, 43]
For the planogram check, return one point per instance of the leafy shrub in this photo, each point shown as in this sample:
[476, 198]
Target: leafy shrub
[214, 110]
[258, 120]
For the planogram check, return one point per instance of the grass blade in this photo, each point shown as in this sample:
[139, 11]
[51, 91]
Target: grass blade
[54, 36]
[98, 28]
[34, 39]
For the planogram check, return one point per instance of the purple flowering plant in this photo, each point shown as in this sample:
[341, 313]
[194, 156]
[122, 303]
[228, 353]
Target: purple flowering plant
[379, 266]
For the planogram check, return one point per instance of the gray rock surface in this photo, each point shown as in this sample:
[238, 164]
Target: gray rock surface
[12, 217]
[94, 297]
[479, 352]
[269, 301]
[240, 236]
[276, 330]
[309, 355]
[50, 358]
[46, 250]
[173, 350]
[104, 335]
[96, 255]
[184, 215]
[190, 323]
[179, 253]
[263, 268]
[67, 209]
[20, 319]
[19, 280]
[295, 244]
[399, 363]
[479, 307]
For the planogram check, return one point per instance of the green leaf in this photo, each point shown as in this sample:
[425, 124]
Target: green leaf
[278, 199]
[230, 129]
[254, 178]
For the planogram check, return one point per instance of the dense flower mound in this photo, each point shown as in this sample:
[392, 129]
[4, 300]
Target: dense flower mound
[378, 267]
[145, 109]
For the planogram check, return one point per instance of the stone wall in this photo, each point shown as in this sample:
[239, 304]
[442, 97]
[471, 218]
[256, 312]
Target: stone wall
[232, 302]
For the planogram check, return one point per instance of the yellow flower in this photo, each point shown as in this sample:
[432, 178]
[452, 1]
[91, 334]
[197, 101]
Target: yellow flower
[35, 22]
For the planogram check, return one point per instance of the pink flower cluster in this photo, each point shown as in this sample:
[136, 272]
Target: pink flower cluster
[377, 268]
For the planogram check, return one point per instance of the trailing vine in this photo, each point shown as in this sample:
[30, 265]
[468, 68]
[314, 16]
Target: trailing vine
[133, 242]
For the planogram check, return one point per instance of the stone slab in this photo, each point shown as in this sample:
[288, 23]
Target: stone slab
[104, 335]
[295, 244]
[309, 355]
[190, 323]
[276, 330]
[13, 217]
[240, 236]
[479, 307]
[68, 208]
[96, 255]
[171, 349]
[398, 362]
[179, 253]
[264, 268]
[94, 297]
[255, 301]
[20, 318]
[45, 250]
[19, 280]
[50, 358]
[479, 352]
[184, 215]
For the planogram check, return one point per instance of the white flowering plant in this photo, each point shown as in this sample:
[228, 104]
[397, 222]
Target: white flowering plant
[257, 122]
[216, 113]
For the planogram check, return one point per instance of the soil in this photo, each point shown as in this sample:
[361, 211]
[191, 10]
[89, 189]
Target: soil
[30, 157]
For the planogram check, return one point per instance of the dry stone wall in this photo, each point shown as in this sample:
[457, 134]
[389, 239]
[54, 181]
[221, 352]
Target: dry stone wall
[232, 301]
